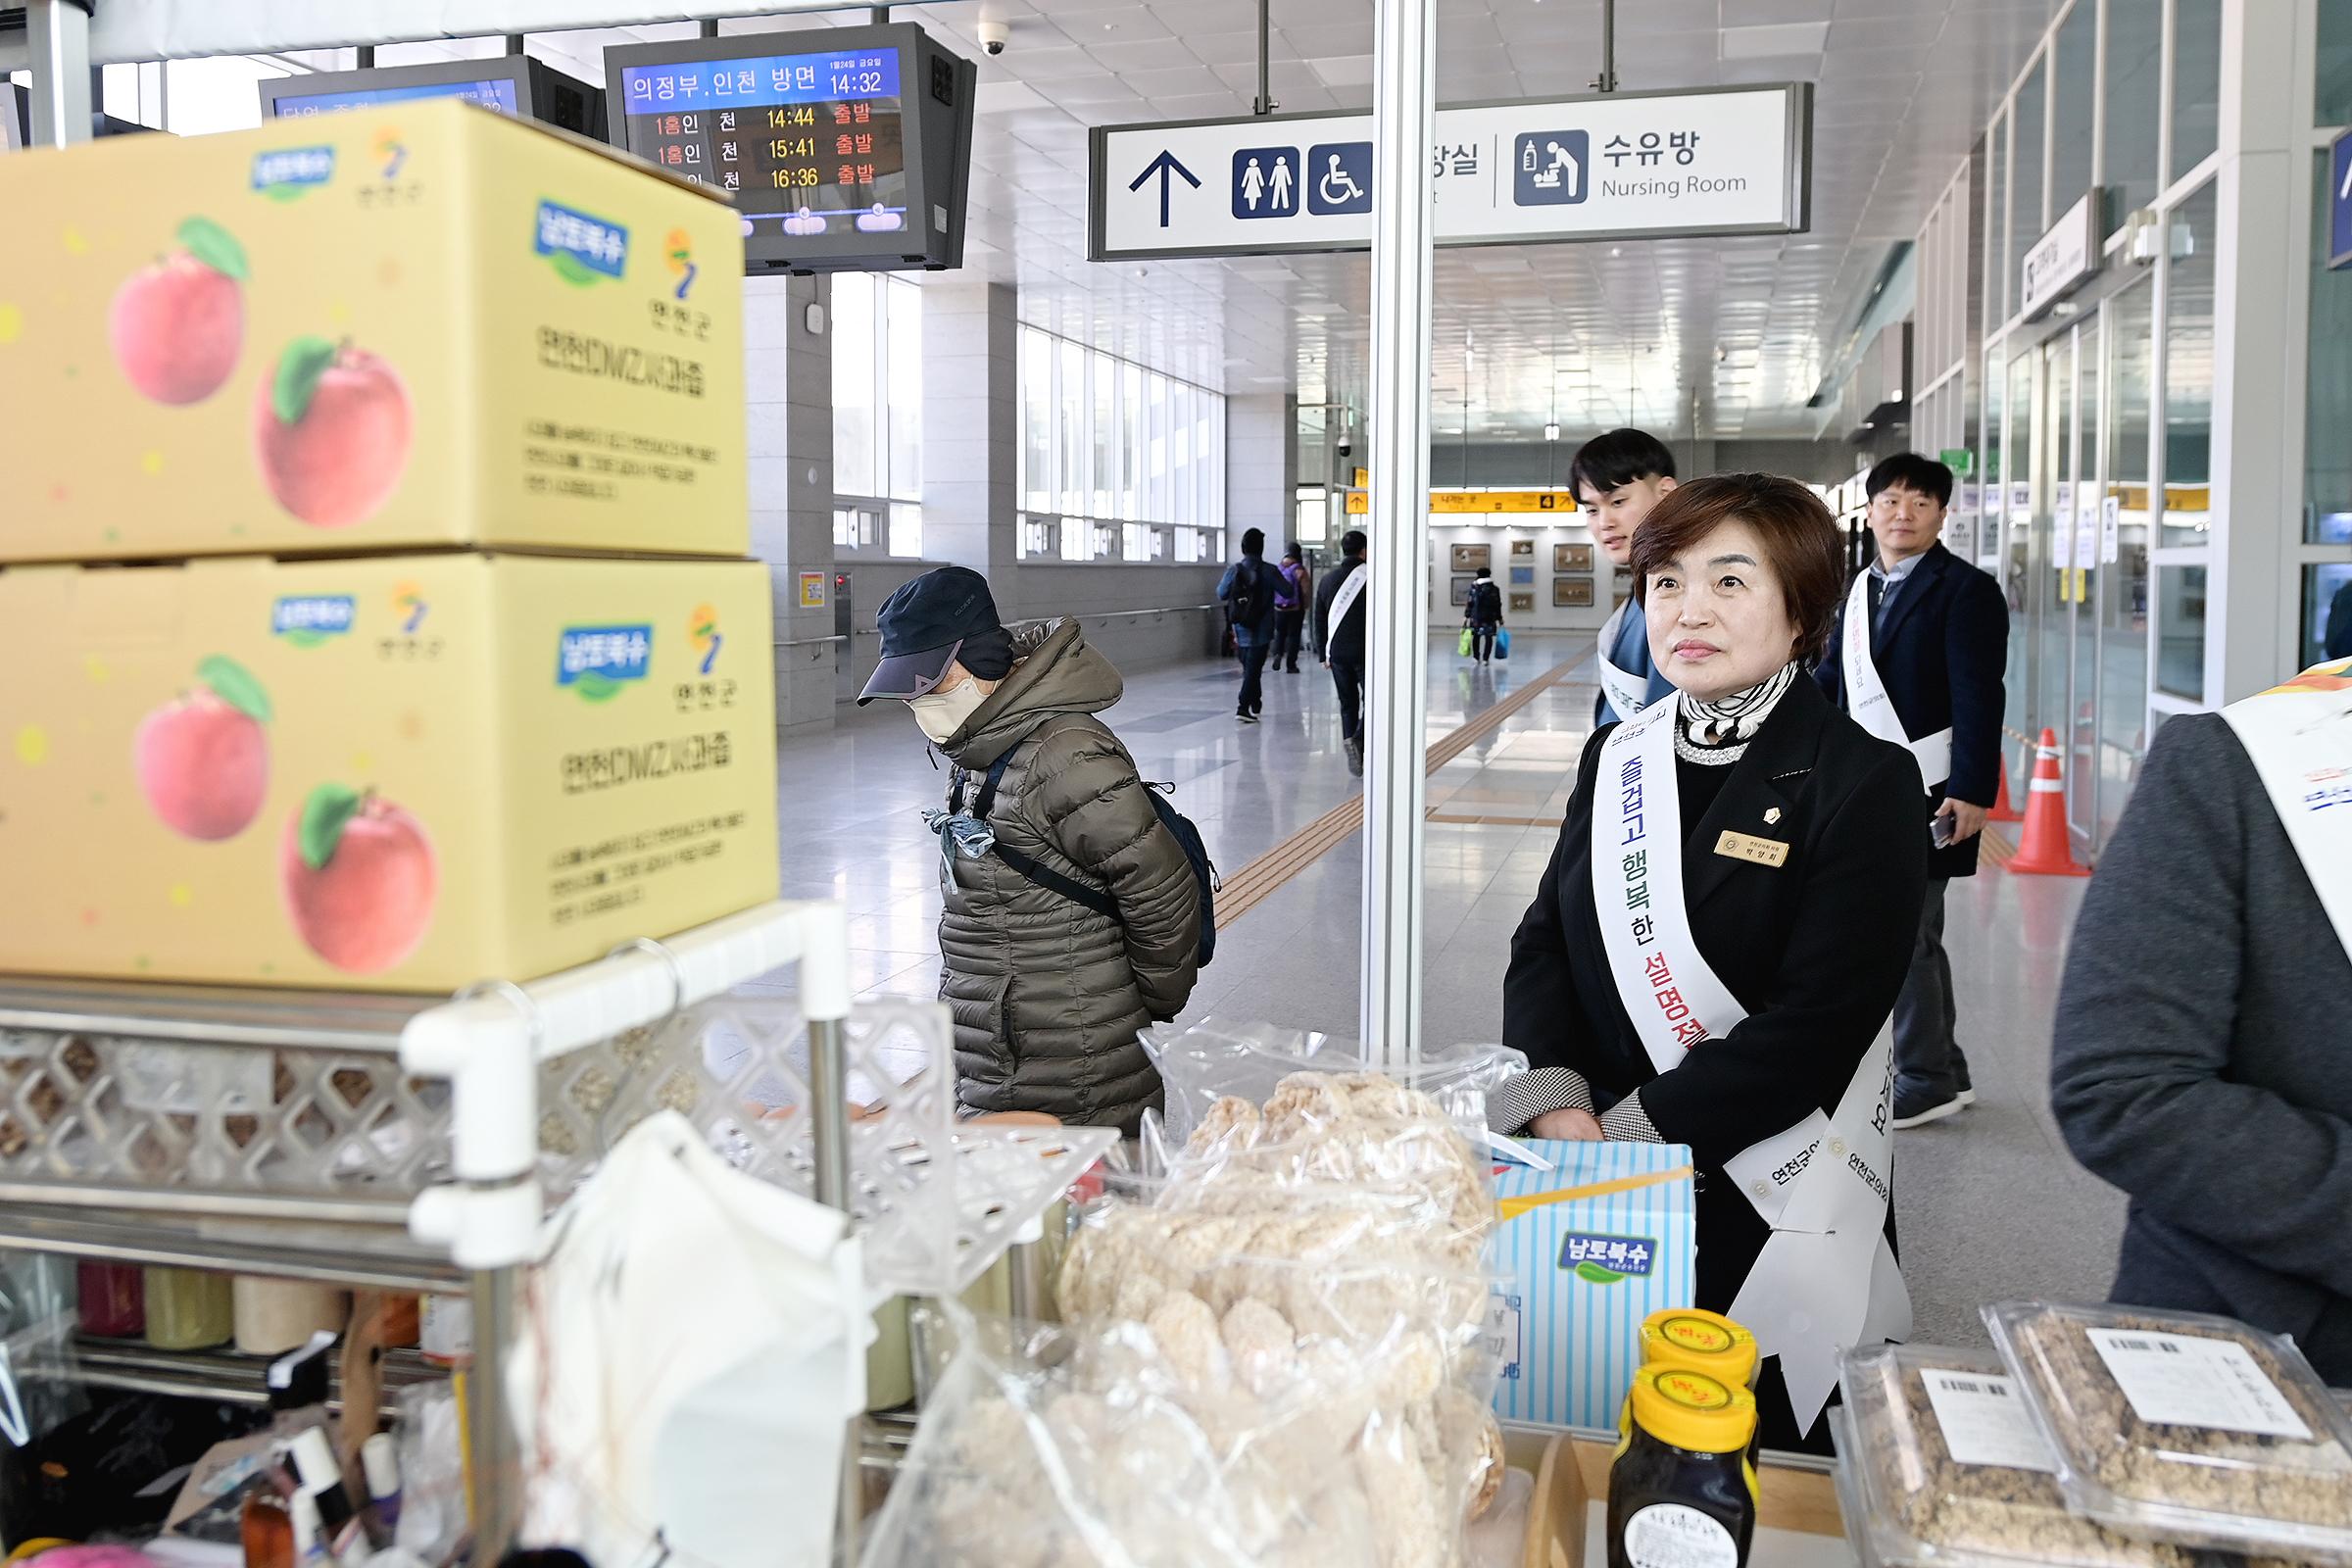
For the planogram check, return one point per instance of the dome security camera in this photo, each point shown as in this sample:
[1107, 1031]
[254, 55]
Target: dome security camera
[995, 38]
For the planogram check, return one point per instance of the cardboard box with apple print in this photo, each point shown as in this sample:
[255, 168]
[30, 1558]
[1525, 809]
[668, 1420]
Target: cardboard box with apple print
[391, 772]
[424, 325]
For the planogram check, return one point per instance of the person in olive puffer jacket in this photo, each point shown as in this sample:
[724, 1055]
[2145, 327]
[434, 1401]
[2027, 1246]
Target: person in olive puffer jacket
[1049, 995]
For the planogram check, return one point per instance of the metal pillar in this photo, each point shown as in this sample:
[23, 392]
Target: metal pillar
[497, 1458]
[58, 49]
[1404, 95]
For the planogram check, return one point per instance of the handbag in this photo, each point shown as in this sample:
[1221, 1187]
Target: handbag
[1462, 644]
[1502, 642]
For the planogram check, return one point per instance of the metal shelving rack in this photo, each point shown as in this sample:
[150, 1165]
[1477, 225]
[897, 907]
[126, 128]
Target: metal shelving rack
[275, 1133]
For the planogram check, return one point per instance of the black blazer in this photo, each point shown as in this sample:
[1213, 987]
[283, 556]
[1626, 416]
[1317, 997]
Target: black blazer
[1942, 653]
[1815, 949]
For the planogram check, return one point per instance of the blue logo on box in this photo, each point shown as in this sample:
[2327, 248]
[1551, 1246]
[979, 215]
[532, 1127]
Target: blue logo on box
[285, 173]
[1606, 1260]
[1551, 168]
[1339, 178]
[308, 619]
[580, 246]
[1266, 182]
[597, 660]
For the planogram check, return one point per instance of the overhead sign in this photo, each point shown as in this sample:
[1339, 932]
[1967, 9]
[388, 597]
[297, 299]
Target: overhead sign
[1456, 502]
[2339, 201]
[2062, 258]
[1960, 460]
[1612, 166]
[1460, 501]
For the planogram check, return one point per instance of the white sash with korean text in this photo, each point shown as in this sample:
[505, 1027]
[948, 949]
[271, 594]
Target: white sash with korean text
[1345, 599]
[1628, 693]
[1867, 702]
[2300, 738]
[1825, 1279]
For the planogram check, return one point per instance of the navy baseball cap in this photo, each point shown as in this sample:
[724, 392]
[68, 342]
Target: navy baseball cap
[928, 623]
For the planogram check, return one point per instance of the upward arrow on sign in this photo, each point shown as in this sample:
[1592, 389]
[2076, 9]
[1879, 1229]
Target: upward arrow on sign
[1163, 165]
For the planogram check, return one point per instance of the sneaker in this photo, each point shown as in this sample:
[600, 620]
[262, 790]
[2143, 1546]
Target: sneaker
[1355, 755]
[1247, 717]
[1967, 1095]
[1916, 1107]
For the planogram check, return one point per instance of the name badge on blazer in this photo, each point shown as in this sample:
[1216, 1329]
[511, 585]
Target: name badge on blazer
[1754, 850]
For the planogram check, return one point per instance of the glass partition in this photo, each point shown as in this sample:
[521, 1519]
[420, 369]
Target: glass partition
[2196, 95]
[2134, 105]
[2026, 218]
[2187, 502]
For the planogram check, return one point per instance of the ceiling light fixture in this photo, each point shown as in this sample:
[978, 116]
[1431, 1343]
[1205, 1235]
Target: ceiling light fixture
[1551, 432]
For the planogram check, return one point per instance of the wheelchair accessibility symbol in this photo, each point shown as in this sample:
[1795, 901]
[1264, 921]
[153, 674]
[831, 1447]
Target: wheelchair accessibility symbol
[1339, 178]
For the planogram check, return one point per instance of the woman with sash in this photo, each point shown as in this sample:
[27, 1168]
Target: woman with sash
[2202, 1058]
[1713, 954]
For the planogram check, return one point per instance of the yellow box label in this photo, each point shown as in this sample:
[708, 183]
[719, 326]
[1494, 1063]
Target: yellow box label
[391, 772]
[416, 325]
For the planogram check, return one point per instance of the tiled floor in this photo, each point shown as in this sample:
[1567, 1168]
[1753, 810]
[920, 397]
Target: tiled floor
[1989, 1205]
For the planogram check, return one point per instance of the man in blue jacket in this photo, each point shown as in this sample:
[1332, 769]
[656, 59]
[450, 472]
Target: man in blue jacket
[1917, 657]
[1247, 591]
[1617, 479]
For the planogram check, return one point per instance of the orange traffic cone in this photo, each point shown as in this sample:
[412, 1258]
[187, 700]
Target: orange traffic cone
[2044, 849]
[2003, 810]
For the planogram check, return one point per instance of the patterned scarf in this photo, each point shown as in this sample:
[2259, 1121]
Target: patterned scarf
[1715, 734]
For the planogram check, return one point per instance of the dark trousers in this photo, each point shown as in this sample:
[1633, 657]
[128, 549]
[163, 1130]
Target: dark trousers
[1927, 1053]
[1254, 664]
[1482, 643]
[1348, 676]
[1287, 640]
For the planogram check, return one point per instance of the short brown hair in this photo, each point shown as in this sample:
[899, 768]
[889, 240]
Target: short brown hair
[1800, 543]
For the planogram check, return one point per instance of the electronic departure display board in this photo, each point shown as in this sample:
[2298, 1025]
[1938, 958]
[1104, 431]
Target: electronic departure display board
[845, 148]
[510, 85]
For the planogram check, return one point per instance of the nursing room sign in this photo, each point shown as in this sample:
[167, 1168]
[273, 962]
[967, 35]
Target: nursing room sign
[1731, 161]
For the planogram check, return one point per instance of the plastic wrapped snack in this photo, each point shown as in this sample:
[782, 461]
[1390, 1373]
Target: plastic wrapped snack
[2183, 1426]
[1939, 1466]
[1211, 1068]
[1184, 1442]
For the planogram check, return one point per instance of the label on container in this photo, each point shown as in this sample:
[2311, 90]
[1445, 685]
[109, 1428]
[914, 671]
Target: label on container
[1671, 1535]
[2185, 1380]
[1984, 1422]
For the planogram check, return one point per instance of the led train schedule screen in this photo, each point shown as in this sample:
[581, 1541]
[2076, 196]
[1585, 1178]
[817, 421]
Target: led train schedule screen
[835, 157]
[815, 139]
[521, 86]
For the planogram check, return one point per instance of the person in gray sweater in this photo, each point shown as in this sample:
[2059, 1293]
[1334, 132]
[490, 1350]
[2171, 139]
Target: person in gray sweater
[2200, 1061]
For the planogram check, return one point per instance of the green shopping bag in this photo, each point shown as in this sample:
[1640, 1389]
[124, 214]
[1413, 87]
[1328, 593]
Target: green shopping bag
[1462, 646]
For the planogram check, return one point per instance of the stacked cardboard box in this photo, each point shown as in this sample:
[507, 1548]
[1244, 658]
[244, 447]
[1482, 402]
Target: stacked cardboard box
[375, 611]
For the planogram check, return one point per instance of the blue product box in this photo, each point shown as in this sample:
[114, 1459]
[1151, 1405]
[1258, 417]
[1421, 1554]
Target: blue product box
[1594, 1247]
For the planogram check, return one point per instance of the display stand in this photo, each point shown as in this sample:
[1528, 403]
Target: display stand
[411, 1143]
[373, 1141]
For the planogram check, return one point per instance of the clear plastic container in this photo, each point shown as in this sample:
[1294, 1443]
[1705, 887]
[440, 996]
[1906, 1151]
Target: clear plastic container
[1921, 1438]
[188, 1310]
[2181, 1427]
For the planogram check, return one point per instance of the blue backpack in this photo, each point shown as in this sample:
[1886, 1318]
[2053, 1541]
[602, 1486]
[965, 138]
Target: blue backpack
[1188, 838]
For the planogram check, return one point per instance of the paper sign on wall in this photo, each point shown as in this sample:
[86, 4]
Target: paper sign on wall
[2111, 530]
[812, 590]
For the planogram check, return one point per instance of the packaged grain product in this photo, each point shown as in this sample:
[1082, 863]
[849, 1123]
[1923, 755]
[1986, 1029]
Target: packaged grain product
[1939, 1466]
[2181, 1427]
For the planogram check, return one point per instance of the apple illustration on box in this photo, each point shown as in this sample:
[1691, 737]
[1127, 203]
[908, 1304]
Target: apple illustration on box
[178, 325]
[359, 876]
[331, 431]
[203, 759]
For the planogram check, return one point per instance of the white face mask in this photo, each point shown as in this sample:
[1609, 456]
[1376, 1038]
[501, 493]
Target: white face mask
[940, 715]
